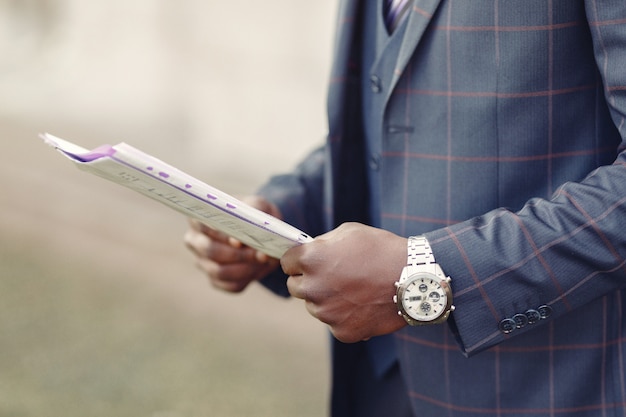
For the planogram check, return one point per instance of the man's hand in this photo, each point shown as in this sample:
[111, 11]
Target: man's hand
[229, 264]
[346, 278]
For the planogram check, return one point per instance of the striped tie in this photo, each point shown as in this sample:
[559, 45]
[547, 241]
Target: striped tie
[393, 12]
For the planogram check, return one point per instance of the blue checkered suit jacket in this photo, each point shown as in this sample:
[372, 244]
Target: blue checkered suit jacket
[503, 141]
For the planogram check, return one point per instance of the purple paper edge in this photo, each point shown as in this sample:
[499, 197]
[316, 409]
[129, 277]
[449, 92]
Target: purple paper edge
[97, 153]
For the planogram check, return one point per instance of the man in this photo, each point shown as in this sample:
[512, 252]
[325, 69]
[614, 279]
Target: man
[482, 138]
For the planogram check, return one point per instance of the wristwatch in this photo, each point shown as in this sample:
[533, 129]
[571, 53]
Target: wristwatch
[423, 293]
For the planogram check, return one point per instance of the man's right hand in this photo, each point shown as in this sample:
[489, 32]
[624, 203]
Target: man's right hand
[229, 264]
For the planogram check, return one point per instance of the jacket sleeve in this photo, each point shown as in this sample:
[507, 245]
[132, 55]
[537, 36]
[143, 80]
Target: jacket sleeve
[299, 196]
[558, 254]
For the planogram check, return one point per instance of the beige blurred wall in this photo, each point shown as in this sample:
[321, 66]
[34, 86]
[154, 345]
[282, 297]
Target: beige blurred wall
[230, 91]
[208, 84]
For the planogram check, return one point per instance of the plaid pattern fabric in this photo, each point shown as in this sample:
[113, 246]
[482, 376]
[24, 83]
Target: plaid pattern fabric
[502, 140]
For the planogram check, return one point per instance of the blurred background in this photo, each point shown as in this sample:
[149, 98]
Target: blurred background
[102, 310]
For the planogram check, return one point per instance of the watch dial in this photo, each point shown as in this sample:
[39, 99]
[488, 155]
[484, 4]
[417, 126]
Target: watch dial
[424, 298]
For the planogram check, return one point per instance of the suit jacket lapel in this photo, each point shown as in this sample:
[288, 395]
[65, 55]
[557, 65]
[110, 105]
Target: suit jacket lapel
[421, 14]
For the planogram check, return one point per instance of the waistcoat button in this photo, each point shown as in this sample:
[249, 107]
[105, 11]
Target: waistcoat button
[375, 84]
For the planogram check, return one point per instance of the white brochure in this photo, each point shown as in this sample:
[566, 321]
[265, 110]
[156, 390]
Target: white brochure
[154, 178]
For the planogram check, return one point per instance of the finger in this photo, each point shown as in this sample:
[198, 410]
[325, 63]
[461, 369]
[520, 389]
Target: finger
[234, 242]
[218, 236]
[226, 254]
[195, 241]
[229, 286]
[230, 278]
[312, 309]
[204, 247]
[193, 223]
[219, 277]
[212, 233]
[295, 286]
[200, 227]
[264, 258]
[290, 262]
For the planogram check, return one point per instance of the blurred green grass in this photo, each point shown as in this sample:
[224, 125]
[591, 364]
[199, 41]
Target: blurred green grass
[76, 342]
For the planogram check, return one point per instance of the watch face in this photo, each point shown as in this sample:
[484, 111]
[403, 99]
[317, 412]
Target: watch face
[424, 297]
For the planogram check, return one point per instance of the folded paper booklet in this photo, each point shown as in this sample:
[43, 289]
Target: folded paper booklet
[152, 177]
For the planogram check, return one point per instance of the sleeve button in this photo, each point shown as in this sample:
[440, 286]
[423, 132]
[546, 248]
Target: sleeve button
[544, 311]
[533, 316]
[506, 326]
[520, 320]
